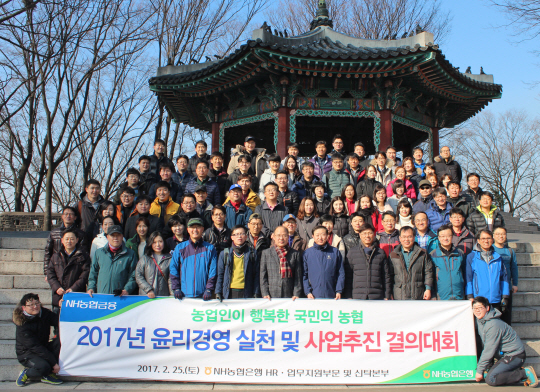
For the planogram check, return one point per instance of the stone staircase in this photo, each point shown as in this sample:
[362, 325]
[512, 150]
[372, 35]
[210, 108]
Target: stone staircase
[515, 225]
[21, 271]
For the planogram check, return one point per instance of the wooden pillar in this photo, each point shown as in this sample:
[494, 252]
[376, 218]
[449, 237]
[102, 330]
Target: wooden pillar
[215, 136]
[435, 132]
[284, 117]
[386, 129]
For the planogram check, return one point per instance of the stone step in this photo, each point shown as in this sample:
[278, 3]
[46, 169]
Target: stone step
[529, 284]
[21, 268]
[526, 299]
[7, 330]
[527, 330]
[525, 247]
[9, 370]
[7, 349]
[532, 347]
[528, 258]
[522, 314]
[6, 312]
[30, 282]
[23, 243]
[13, 296]
[21, 255]
[534, 362]
[528, 272]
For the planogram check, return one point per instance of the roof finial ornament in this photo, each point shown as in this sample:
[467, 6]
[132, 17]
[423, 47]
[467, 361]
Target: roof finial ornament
[482, 71]
[322, 17]
[468, 70]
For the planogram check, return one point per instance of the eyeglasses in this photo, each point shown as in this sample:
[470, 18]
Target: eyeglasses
[475, 308]
[33, 305]
[220, 214]
[238, 235]
[188, 203]
[485, 239]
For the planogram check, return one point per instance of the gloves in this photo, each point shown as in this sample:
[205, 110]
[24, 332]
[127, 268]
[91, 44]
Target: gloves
[178, 294]
[219, 296]
[117, 292]
[207, 295]
[504, 304]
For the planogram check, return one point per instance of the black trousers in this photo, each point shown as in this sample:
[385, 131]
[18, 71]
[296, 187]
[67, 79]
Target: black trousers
[507, 314]
[39, 367]
[507, 370]
[236, 294]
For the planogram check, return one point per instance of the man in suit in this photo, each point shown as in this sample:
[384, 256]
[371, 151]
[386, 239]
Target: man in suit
[281, 268]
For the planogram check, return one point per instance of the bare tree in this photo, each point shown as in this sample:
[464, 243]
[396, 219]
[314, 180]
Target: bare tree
[194, 31]
[370, 19]
[68, 51]
[503, 149]
[11, 8]
[524, 16]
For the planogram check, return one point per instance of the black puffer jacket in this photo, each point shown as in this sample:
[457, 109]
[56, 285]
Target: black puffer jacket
[233, 179]
[367, 276]
[221, 178]
[220, 239]
[192, 165]
[463, 203]
[54, 243]
[451, 167]
[146, 181]
[366, 187]
[351, 240]
[32, 335]
[290, 200]
[68, 272]
[474, 197]
[263, 243]
[323, 207]
[477, 221]
[341, 225]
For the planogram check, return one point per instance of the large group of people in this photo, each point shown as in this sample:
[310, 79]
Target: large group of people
[339, 225]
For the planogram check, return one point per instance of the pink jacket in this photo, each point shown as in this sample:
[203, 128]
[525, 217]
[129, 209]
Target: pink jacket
[409, 189]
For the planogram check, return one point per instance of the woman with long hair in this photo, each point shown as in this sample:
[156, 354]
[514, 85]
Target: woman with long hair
[290, 165]
[367, 185]
[152, 272]
[348, 195]
[404, 214]
[307, 218]
[401, 174]
[137, 243]
[341, 220]
[368, 208]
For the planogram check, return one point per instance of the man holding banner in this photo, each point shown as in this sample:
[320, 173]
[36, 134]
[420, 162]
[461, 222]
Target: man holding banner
[193, 269]
[324, 274]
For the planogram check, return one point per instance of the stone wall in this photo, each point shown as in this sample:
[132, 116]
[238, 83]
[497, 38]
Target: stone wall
[25, 221]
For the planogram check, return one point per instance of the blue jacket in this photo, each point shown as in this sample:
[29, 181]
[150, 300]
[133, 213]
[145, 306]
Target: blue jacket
[324, 274]
[421, 167]
[233, 217]
[193, 268]
[300, 188]
[486, 280]
[251, 273]
[449, 273]
[182, 181]
[436, 219]
[432, 241]
[509, 258]
[211, 187]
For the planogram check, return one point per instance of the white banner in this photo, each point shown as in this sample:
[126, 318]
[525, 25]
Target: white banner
[260, 341]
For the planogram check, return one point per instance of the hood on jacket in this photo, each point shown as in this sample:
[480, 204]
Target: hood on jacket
[490, 315]
[386, 235]
[438, 158]
[83, 194]
[240, 149]
[19, 318]
[389, 163]
[433, 205]
[491, 212]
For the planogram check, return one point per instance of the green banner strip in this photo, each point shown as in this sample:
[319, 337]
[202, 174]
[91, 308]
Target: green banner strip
[446, 369]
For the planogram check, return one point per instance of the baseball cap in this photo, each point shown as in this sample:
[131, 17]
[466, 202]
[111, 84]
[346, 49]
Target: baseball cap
[235, 186]
[200, 188]
[248, 138]
[288, 216]
[424, 182]
[254, 216]
[195, 222]
[115, 229]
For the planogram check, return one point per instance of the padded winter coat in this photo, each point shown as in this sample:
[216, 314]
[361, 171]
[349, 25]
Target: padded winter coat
[410, 284]
[367, 276]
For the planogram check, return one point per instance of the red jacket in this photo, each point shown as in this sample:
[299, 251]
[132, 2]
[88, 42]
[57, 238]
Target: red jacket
[409, 189]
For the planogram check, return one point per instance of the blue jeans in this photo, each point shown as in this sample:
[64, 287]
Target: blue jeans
[507, 370]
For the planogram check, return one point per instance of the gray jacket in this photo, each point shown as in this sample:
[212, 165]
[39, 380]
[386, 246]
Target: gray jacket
[149, 278]
[497, 336]
[272, 283]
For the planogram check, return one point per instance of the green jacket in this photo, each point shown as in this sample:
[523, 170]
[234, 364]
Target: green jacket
[133, 244]
[335, 181]
[108, 273]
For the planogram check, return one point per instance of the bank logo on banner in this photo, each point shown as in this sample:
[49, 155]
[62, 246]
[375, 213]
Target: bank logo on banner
[260, 341]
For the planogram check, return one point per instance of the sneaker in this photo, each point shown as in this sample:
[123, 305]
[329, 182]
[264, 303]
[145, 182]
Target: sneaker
[51, 379]
[532, 379]
[22, 380]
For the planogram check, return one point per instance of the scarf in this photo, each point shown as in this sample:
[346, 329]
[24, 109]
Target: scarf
[351, 206]
[285, 268]
[236, 205]
[113, 249]
[240, 250]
